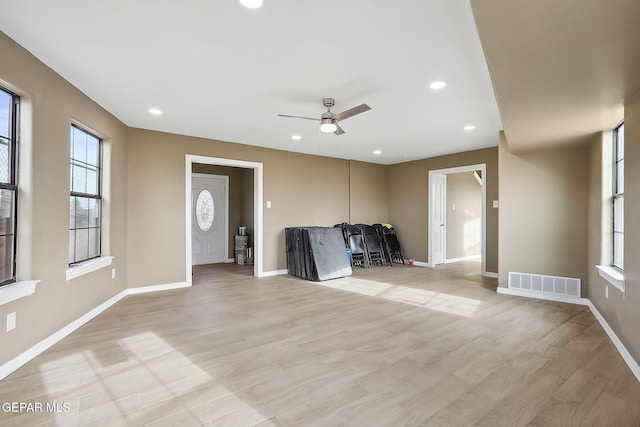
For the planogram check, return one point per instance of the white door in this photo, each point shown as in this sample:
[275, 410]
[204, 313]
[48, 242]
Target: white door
[208, 219]
[438, 222]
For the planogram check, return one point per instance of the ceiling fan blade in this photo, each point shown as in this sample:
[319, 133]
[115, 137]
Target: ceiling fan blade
[352, 112]
[339, 130]
[298, 117]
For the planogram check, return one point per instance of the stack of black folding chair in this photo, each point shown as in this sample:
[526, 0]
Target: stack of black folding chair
[373, 242]
[359, 255]
[393, 251]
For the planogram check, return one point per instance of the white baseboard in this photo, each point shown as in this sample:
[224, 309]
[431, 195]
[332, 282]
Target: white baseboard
[475, 258]
[43, 345]
[230, 261]
[628, 358]
[7, 368]
[274, 273]
[542, 295]
[421, 264]
[490, 274]
[155, 288]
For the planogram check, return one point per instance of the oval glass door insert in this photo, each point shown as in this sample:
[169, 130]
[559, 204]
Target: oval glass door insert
[204, 210]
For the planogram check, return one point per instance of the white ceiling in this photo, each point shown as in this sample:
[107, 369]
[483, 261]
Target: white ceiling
[221, 71]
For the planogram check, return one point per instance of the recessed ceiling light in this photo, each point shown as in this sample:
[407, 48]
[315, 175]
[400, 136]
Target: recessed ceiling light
[377, 152]
[251, 4]
[296, 137]
[155, 111]
[469, 127]
[437, 85]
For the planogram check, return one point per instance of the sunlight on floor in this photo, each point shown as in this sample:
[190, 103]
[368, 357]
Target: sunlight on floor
[163, 375]
[450, 304]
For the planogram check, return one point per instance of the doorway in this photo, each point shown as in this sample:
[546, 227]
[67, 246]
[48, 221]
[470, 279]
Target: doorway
[209, 218]
[437, 217]
[257, 168]
[439, 223]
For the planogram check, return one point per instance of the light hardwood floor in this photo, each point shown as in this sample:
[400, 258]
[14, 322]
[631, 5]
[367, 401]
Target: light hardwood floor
[389, 346]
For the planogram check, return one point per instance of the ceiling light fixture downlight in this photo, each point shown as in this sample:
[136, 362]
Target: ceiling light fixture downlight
[251, 4]
[328, 125]
[437, 85]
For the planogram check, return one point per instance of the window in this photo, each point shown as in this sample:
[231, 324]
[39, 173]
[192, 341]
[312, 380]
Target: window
[85, 203]
[618, 197]
[204, 210]
[9, 104]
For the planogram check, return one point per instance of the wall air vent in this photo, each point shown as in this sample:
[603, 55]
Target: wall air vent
[556, 285]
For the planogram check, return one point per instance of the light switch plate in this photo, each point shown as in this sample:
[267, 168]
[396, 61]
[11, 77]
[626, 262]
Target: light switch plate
[268, 204]
[496, 203]
[11, 321]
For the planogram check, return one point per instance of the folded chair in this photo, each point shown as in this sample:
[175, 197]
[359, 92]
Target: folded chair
[392, 243]
[359, 257]
[374, 245]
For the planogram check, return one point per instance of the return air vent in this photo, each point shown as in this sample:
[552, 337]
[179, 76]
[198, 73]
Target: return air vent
[555, 285]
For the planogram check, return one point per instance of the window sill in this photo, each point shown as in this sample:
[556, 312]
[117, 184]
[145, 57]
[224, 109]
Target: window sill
[87, 267]
[17, 290]
[612, 275]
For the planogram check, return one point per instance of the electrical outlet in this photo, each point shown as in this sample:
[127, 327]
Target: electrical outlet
[113, 273]
[606, 291]
[11, 321]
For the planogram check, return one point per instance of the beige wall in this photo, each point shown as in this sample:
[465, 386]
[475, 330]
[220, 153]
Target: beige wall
[368, 190]
[543, 212]
[408, 205]
[303, 190]
[464, 215]
[621, 309]
[51, 104]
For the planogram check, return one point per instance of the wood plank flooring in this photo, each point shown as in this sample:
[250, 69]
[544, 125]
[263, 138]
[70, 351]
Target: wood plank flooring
[389, 346]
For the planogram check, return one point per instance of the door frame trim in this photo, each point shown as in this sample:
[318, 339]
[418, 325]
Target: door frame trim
[226, 209]
[470, 168]
[258, 192]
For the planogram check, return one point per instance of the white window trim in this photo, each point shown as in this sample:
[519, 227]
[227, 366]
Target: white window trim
[612, 275]
[17, 290]
[88, 267]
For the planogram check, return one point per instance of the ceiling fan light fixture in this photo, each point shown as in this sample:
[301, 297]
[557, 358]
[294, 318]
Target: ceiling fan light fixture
[251, 4]
[328, 126]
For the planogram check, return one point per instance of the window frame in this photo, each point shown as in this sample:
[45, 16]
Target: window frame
[77, 194]
[617, 195]
[12, 184]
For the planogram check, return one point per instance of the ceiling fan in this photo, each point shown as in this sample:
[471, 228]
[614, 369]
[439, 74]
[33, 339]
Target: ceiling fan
[329, 120]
